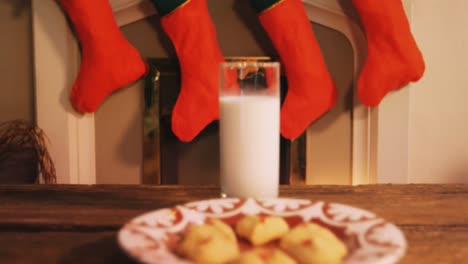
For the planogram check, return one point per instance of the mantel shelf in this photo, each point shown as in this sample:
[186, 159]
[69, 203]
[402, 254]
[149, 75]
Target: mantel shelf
[129, 11]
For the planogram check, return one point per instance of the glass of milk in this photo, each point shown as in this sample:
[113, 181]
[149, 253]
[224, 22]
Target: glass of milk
[249, 129]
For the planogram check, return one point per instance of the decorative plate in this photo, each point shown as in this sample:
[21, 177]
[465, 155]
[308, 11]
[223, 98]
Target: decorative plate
[369, 238]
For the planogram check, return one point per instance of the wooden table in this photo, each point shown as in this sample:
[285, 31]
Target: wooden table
[78, 224]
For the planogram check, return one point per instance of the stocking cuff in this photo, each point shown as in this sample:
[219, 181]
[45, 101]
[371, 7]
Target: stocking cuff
[165, 7]
[264, 5]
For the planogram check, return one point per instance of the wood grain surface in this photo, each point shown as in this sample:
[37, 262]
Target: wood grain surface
[78, 224]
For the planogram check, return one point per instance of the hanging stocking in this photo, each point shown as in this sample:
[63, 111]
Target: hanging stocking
[188, 24]
[108, 61]
[393, 59]
[311, 90]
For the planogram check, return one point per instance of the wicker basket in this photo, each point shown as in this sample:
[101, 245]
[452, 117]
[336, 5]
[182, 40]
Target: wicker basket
[24, 157]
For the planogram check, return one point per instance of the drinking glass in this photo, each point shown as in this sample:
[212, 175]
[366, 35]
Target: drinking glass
[249, 129]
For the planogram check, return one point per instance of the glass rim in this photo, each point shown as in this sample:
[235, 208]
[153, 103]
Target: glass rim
[249, 63]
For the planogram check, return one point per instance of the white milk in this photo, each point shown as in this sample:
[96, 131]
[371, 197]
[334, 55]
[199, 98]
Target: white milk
[250, 138]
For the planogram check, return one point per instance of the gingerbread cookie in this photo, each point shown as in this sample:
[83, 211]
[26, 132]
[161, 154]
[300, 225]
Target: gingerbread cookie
[260, 230]
[264, 256]
[209, 244]
[312, 244]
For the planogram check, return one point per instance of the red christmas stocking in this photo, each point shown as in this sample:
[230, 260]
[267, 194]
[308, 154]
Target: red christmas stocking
[188, 24]
[108, 61]
[311, 90]
[393, 59]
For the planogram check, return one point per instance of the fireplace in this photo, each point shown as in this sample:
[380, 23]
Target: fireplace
[76, 141]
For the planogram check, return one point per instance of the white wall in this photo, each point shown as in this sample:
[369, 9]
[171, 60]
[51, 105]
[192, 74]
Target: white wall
[438, 114]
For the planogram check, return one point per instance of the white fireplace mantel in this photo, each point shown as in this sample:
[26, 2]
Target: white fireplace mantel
[72, 134]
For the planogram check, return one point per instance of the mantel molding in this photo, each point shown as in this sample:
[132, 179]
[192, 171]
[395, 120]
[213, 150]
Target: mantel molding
[129, 11]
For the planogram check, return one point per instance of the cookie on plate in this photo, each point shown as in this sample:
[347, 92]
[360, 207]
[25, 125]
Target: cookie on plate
[264, 256]
[310, 243]
[223, 228]
[207, 244]
[260, 230]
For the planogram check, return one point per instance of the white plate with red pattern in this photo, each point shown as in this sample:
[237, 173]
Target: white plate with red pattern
[369, 238]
